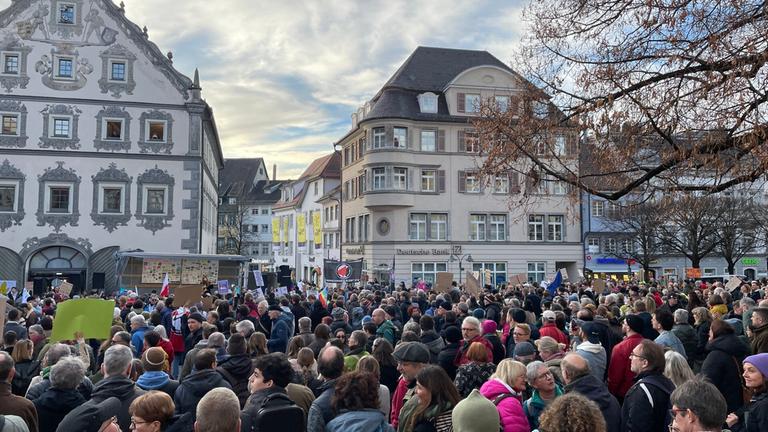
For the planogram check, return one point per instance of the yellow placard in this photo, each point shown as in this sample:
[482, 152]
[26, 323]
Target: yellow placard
[317, 230]
[275, 230]
[285, 236]
[301, 228]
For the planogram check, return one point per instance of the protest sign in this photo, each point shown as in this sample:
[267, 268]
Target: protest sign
[282, 291]
[3, 304]
[444, 282]
[91, 317]
[258, 278]
[473, 285]
[186, 295]
[259, 293]
[519, 279]
[65, 288]
[223, 287]
[598, 285]
[733, 283]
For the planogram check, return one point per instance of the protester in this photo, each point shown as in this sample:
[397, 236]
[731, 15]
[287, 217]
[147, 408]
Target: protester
[271, 374]
[592, 350]
[330, 364]
[41, 382]
[369, 365]
[663, 321]
[218, 411]
[646, 405]
[151, 412]
[437, 397]
[62, 396]
[540, 377]
[411, 358]
[26, 367]
[357, 342]
[697, 406]
[686, 334]
[753, 417]
[572, 413]
[504, 389]
[676, 368]
[475, 413]
[471, 332]
[578, 379]
[620, 374]
[447, 354]
[117, 369]
[551, 353]
[722, 364]
[472, 375]
[204, 379]
[155, 376]
[94, 417]
[356, 402]
[11, 404]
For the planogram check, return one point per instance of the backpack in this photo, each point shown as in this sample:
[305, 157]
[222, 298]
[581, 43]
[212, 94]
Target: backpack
[240, 387]
[279, 413]
[496, 401]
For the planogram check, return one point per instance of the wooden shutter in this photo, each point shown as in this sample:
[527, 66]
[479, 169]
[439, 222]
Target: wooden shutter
[514, 183]
[440, 140]
[441, 180]
[462, 182]
[460, 103]
[462, 141]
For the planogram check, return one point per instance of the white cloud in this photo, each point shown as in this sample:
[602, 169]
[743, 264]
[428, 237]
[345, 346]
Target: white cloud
[288, 74]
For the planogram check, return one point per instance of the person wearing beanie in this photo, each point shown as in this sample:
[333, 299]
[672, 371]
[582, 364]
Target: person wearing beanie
[753, 417]
[237, 367]
[475, 414]
[195, 322]
[489, 333]
[155, 376]
[620, 375]
[446, 356]
[340, 319]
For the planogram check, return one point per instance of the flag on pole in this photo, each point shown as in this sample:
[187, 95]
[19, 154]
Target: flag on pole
[556, 282]
[323, 297]
[392, 271]
[166, 291]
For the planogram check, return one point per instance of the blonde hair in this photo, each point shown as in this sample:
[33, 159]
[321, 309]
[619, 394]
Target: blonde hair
[549, 345]
[701, 314]
[677, 369]
[525, 327]
[509, 370]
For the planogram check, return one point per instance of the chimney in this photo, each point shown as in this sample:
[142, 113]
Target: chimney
[274, 172]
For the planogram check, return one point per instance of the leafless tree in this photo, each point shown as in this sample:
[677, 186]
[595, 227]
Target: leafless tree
[665, 95]
[232, 229]
[738, 230]
[639, 222]
[690, 226]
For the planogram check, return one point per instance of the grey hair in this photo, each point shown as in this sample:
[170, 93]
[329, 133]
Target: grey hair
[681, 316]
[677, 369]
[532, 371]
[412, 326]
[245, 325]
[117, 359]
[225, 404]
[67, 373]
[216, 340]
[37, 328]
[472, 321]
[55, 353]
[139, 319]
[304, 323]
[160, 329]
[704, 399]
[749, 302]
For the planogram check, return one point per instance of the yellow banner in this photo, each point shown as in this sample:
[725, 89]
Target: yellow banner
[275, 230]
[301, 228]
[285, 237]
[317, 230]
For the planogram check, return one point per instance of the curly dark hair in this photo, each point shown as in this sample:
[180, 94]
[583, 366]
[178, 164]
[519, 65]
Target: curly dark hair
[356, 391]
[275, 367]
[572, 413]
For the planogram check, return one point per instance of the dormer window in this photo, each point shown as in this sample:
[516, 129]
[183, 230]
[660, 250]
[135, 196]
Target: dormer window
[428, 102]
[540, 109]
[472, 103]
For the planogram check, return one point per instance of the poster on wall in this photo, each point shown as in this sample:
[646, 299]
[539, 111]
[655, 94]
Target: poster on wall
[154, 270]
[194, 271]
[317, 230]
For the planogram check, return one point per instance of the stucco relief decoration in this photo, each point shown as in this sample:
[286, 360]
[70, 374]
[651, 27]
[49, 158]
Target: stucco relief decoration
[59, 175]
[10, 79]
[60, 143]
[102, 142]
[50, 68]
[155, 222]
[19, 139]
[34, 244]
[117, 53]
[113, 175]
[67, 20]
[10, 172]
[156, 144]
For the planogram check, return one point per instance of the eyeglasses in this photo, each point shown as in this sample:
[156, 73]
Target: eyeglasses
[134, 423]
[637, 356]
[466, 329]
[519, 334]
[674, 411]
[546, 374]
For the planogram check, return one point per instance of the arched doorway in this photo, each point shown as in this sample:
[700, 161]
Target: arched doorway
[750, 273]
[52, 265]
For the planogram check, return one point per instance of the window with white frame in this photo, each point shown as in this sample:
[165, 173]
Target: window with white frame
[428, 102]
[502, 103]
[537, 271]
[559, 188]
[427, 271]
[112, 198]
[598, 208]
[498, 227]
[7, 197]
[113, 129]
[438, 226]
[472, 141]
[593, 245]
[708, 271]
[472, 183]
[560, 145]
[64, 67]
[501, 184]
[400, 137]
[379, 178]
[265, 211]
[428, 140]
[62, 127]
[417, 227]
[10, 124]
[265, 249]
[535, 227]
[498, 270]
[428, 179]
[379, 137]
[10, 63]
[471, 103]
[156, 130]
[400, 178]
[610, 245]
[555, 227]
[155, 200]
[477, 227]
[117, 70]
[264, 228]
[628, 246]
[59, 198]
[254, 211]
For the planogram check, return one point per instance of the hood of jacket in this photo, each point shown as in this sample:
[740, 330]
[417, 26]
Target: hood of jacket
[594, 348]
[237, 365]
[118, 386]
[55, 399]
[729, 344]
[591, 388]
[538, 402]
[153, 380]
[494, 387]
[201, 382]
[353, 421]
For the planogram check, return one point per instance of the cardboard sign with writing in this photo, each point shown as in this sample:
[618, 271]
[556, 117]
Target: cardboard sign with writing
[444, 282]
[519, 278]
[473, 285]
[733, 283]
[186, 295]
[692, 272]
[207, 303]
[282, 291]
[598, 285]
[65, 288]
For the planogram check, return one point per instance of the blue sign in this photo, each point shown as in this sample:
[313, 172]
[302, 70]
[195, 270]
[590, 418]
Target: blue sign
[617, 261]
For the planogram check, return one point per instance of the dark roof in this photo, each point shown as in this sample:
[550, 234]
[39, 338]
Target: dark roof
[431, 69]
[399, 103]
[265, 192]
[237, 176]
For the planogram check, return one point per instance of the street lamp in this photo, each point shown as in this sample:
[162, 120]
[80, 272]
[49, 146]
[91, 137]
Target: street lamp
[461, 258]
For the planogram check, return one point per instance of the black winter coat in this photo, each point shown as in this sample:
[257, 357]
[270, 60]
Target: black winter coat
[637, 414]
[498, 347]
[236, 370]
[25, 371]
[755, 417]
[122, 388]
[447, 356]
[195, 386]
[596, 391]
[723, 367]
[53, 405]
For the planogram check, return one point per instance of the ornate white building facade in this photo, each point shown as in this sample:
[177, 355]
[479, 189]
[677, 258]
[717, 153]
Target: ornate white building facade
[103, 146]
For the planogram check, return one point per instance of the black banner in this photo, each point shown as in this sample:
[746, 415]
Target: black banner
[343, 271]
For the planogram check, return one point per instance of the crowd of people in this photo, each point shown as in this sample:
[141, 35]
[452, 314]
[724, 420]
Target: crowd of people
[635, 356]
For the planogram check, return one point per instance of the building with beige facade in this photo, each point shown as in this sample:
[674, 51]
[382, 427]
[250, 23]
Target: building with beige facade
[411, 193]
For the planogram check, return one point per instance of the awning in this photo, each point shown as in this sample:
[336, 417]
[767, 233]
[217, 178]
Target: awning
[161, 255]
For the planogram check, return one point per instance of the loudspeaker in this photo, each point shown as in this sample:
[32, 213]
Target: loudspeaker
[38, 286]
[98, 282]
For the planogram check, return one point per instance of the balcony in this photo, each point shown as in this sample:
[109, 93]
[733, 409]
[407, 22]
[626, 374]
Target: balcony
[388, 199]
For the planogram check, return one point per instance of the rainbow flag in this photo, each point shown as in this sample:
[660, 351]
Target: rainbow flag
[323, 296]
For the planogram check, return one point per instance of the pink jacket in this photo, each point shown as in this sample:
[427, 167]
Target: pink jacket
[510, 409]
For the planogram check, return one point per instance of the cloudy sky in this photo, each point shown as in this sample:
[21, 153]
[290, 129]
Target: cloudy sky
[283, 77]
